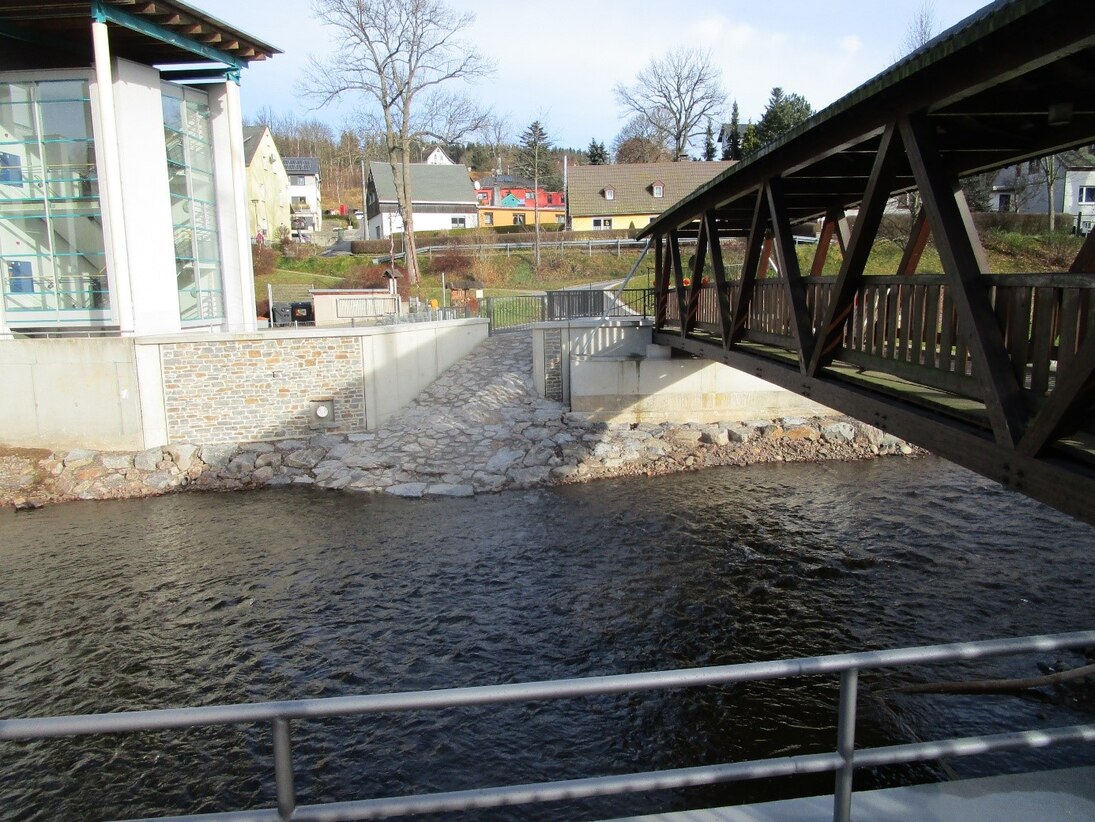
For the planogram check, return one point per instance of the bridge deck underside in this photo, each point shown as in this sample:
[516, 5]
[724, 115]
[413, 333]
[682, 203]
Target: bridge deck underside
[996, 372]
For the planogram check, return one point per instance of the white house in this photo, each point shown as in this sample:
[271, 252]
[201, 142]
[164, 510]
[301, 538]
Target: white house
[1023, 189]
[439, 157]
[305, 195]
[443, 198]
[123, 202]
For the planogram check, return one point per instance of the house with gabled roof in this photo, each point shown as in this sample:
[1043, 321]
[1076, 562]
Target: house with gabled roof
[443, 198]
[267, 184]
[631, 195]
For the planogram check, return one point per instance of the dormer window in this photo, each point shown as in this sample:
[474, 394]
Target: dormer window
[610, 194]
[657, 189]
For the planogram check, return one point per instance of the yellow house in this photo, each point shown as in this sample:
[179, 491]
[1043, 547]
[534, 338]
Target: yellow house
[267, 184]
[631, 195]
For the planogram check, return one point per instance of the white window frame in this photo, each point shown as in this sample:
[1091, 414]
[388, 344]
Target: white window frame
[1085, 195]
[610, 194]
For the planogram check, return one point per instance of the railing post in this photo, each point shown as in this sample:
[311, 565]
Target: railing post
[283, 769]
[845, 745]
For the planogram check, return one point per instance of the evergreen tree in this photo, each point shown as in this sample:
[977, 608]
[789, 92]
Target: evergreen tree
[597, 154]
[709, 142]
[732, 149]
[534, 161]
[750, 142]
[783, 113]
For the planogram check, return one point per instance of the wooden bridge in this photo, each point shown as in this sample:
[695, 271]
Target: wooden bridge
[994, 372]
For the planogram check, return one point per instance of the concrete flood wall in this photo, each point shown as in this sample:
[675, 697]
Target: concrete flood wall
[612, 372]
[74, 393]
[132, 394]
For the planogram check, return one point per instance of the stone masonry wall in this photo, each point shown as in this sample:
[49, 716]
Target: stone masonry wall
[218, 391]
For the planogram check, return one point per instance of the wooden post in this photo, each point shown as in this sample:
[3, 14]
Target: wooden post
[787, 257]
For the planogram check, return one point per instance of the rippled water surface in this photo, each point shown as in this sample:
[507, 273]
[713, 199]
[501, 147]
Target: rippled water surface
[204, 599]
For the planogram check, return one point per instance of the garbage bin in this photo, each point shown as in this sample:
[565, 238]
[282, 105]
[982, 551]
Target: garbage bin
[303, 313]
[283, 314]
[339, 234]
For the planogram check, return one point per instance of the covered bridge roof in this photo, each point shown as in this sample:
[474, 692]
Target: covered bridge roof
[1013, 82]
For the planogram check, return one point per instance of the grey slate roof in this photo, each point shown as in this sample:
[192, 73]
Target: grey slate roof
[632, 185]
[252, 136]
[301, 165]
[429, 183]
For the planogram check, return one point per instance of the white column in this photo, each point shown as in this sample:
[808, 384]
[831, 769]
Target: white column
[237, 270]
[110, 185]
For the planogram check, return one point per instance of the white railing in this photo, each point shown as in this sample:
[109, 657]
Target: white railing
[843, 761]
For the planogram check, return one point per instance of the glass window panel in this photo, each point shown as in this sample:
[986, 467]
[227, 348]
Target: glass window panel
[28, 284]
[205, 246]
[184, 243]
[19, 208]
[77, 209]
[67, 160]
[84, 188]
[197, 120]
[76, 235]
[202, 186]
[15, 93]
[16, 122]
[23, 235]
[69, 120]
[49, 90]
[180, 211]
[172, 112]
[205, 216]
[201, 156]
[175, 153]
[177, 181]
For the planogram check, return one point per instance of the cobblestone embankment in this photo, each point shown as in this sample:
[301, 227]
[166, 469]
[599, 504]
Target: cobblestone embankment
[478, 428]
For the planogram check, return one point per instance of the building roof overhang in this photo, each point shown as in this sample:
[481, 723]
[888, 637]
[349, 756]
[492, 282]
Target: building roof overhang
[160, 33]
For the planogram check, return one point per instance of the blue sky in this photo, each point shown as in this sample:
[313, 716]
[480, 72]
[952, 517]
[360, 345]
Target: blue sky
[558, 62]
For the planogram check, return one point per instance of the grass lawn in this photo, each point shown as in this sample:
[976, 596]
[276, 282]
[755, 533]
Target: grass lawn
[510, 274]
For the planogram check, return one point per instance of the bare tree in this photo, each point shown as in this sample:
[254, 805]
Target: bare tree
[638, 142]
[400, 53]
[922, 28]
[1053, 167]
[674, 95]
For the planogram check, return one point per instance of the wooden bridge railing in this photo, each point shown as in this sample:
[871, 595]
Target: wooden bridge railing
[907, 325]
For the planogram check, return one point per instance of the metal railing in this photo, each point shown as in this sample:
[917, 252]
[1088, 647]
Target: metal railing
[519, 313]
[843, 761]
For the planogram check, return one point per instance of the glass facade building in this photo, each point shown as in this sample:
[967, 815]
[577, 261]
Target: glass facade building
[190, 171]
[52, 260]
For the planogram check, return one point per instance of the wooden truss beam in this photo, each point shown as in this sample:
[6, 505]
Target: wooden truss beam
[914, 248]
[722, 285]
[754, 247]
[695, 285]
[964, 263]
[871, 211]
[784, 241]
[1068, 406]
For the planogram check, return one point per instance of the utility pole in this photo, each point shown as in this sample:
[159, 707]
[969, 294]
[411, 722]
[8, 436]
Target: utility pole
[364, 211]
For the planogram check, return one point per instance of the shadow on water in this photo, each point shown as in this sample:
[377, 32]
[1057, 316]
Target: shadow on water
[204, 599]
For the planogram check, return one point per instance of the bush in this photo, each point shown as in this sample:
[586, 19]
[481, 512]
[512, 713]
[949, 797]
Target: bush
[451, 262]
[264, 259]
[373, 276]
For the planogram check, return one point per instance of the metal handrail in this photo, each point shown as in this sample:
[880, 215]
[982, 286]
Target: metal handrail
[843, 761]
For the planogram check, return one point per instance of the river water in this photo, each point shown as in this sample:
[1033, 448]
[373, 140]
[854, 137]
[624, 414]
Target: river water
[203, 599]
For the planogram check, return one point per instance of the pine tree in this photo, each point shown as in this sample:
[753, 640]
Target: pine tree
[597, 154]
[709, 142]
[732, 149]
[783, 113]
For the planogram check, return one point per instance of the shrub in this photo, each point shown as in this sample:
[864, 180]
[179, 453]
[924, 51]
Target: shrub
[452, 263]
[264, 259]
[372, 276]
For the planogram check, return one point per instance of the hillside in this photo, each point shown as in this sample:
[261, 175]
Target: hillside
[514, 272]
